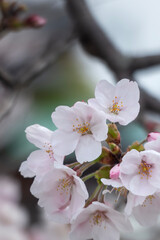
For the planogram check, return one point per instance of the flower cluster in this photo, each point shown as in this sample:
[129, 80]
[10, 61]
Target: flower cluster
[82, 129]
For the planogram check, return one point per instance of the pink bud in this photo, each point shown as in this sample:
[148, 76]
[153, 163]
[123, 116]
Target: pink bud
[35, 21]
[115, 171]
[153, 136]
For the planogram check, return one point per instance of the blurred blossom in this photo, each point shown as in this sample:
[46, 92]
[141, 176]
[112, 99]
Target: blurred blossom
[13, 218]
[9, 189]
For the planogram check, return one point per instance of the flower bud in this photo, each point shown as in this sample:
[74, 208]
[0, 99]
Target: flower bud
[35, 21]
[114, 148]
[107, 157]
[136, 145]
[153, 136]
[113, 134]
[114, 172]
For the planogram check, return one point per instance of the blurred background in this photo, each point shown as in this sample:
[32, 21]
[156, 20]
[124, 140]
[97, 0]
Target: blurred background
[82, 43]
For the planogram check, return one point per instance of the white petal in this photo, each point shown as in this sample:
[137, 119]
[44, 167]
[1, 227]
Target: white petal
[88, 149]
[64, 118]
[38, 135]
[64, 143]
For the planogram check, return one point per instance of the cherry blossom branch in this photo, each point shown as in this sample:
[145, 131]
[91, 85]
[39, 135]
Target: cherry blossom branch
[94, 195]
[97, 43]
[49, 56]
[85, 178]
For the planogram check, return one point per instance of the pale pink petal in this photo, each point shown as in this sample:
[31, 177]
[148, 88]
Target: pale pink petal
[130, 162]
[104, 93]
[154, 178]
[81, 232]
[128, 91]
[106, 231]
[64, 118]
[80, 187]
[114, 172]
[133, 201]
[64, 143]
[26, 171]
[119, 220]
[59, 216]
[116, 183]
[59, 159]
[99, 127]
[129, 114]
[113, 117]
[83, 110]
[38, 163]
[141, 186]
[38, 135]
[77, 202]
[153, 145]
[153, 136]
[88, 149]
[147, 214]
[95, 104]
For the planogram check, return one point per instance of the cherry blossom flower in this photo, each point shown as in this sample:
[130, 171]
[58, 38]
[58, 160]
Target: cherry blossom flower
[153, 136]
[80, 128]
[145, 209]
[153, 145]
[140, 172]
[39, 161]
[114, 180]
[61, 192]
[98, 222]
[119, 103]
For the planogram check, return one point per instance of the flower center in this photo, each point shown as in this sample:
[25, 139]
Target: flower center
[49, 150]
[65, 185]
[145, 169]
[116, 107]
[83, 128]
[148, 199]
[97, 219]
[122, 191]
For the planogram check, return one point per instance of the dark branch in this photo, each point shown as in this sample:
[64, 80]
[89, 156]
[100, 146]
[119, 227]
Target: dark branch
[97, 42]
[50, 55]
[144, 62]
